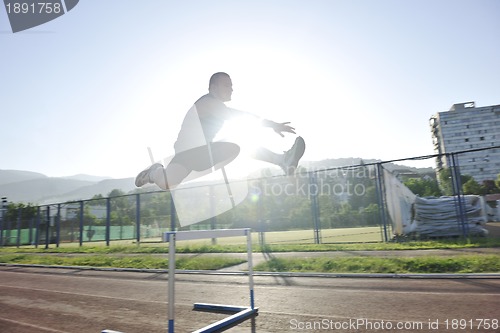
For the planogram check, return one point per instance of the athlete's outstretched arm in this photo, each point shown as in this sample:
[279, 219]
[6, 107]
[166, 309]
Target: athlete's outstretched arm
[277, 127]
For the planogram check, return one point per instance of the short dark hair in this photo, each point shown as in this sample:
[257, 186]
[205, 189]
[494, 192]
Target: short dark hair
[215, 77]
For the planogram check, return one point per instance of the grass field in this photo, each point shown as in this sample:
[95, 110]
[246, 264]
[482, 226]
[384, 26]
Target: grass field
[343, 239]
[342, 235]
[97, 254]
[399, 265]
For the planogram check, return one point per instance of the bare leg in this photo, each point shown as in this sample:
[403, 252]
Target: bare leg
[288, 161]
[264, 154]
[169, 177]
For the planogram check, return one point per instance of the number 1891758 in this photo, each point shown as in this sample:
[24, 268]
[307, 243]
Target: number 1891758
[33, 8]
[470, 324]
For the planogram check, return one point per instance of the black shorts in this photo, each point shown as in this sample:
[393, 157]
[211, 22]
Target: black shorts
[215, 154]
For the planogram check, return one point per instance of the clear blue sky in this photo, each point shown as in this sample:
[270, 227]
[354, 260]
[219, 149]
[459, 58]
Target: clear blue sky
[90, 91]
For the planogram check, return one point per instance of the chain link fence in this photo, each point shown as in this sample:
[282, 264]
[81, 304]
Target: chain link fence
[317, 205]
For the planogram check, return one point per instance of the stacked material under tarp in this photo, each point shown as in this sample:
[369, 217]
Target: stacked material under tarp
[400, 201]
[440, 217]
[431, 217]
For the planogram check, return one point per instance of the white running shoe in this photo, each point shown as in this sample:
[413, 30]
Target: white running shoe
[144, 177]
[291, 157]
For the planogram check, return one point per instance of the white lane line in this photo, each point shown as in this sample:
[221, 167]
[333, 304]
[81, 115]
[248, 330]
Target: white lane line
[38, 327]
[388, 292]
[261, 286]
[81, 294]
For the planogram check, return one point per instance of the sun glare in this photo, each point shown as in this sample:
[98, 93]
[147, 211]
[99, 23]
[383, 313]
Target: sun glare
[271, 83]
[243, 131]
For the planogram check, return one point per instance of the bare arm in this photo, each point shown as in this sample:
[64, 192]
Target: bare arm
[277, 127]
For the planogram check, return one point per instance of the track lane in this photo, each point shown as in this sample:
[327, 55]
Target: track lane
[90, 301]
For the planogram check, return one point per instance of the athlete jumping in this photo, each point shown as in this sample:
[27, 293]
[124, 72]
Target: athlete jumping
[198, 152]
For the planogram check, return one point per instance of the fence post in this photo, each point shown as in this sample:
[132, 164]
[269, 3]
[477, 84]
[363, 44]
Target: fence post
[315, 207]
[9, 232]
[80, 218]
[47, 229]
[108, 220]
[37, 227]
[213, 219]
[138, 218]
[58, 225]
[3, 213]
[1, 227]
[381, 198]
[172, 214]
[30, 239]
[457, 193]
[260, 216]
[18, 238]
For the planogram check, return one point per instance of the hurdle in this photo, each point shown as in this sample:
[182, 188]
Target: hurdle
[240, 312]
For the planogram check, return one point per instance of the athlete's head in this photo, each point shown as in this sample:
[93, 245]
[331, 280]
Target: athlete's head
[220, 86]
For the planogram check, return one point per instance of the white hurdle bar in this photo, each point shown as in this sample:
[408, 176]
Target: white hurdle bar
[241, 313]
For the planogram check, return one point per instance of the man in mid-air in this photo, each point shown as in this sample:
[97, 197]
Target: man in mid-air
[195, 151]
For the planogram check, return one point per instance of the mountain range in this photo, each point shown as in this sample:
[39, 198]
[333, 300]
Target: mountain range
[36, 188]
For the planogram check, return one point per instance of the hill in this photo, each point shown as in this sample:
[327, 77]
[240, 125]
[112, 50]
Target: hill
[14, 176]
[85, 177]
[103, 187]
[36, 188]
[39, 189]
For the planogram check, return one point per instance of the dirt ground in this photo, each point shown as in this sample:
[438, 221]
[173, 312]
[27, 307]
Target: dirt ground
[71, 300]
[493, 229]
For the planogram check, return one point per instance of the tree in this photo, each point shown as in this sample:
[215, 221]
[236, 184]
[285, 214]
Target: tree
[122, 208]
[97, 197]
[489, 187]
[423, 187]
[346, 217]
[362, 192]
[445, 181]
[28, 212]
[472, 187]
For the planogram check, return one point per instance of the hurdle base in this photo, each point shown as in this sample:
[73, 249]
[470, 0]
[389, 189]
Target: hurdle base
[240, 313]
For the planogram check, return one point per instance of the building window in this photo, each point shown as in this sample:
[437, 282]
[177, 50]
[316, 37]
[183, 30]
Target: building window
[481, 138]
[467, 140]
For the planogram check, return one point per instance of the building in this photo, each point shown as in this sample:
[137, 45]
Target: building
[473, 131]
